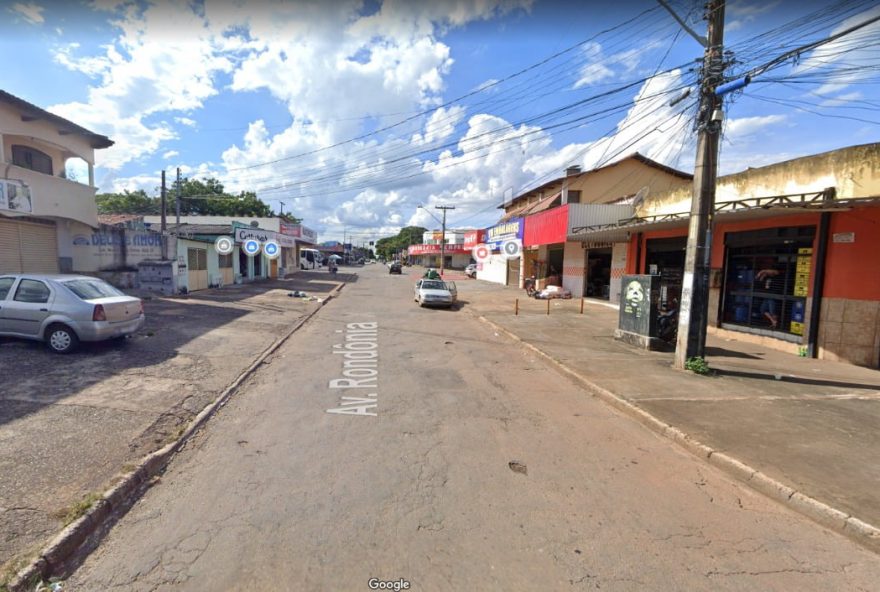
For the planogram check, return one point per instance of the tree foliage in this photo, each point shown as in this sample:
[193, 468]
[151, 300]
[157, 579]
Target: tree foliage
[199, 197]
[409, 235]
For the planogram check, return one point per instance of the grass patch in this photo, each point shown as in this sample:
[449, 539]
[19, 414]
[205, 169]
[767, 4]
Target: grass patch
[79, 509]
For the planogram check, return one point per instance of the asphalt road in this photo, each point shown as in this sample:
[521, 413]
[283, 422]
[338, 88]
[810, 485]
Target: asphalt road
[278, 494]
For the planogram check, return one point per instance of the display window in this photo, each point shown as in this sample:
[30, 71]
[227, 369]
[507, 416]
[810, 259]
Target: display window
[767, 278]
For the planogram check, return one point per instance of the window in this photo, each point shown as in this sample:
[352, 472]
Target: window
[767, 278]
[225, 261]
[5, 286]
[91, 289]
[574, 196]
[197, 259]
[32, 291]
[31, 158]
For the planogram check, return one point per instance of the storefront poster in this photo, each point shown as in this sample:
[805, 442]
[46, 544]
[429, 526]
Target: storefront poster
[15, 197]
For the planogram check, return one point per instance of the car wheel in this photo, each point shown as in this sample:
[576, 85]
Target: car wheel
[61, 339]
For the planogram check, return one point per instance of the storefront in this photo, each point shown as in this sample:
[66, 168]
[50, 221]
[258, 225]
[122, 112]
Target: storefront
[544, 246]
[303, 237]
[501, 268]
[456, 256]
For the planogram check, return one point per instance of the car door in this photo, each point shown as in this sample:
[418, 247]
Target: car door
[452, 290]
[28, 307]
[416, 290]
[6, 284]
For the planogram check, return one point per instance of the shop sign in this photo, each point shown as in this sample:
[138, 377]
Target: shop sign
[512, 229]
[15, 197]
[844, 237]
[474, 237]
[244, 234]
[285, 241]
[435, 249]
[299, 231]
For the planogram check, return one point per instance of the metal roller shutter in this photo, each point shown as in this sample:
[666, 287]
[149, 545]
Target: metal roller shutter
[10, 247]
[26, 247]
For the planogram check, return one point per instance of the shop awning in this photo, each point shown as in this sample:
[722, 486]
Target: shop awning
[753, 208]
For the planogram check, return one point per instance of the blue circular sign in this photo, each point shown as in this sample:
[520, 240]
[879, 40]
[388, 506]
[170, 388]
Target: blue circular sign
[271, 249]
[251, 246]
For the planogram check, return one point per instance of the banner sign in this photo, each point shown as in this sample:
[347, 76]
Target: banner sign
[474, 237]
[299, 231]
[512, 229]
[15, 197]
[435, 249]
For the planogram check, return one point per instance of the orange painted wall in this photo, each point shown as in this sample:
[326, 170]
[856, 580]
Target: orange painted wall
[852, 270]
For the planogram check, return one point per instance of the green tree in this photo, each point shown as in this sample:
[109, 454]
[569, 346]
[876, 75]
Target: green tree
[128, 202]
[408, 235]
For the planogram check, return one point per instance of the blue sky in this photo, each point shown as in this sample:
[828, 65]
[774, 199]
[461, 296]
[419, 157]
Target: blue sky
[354, 113]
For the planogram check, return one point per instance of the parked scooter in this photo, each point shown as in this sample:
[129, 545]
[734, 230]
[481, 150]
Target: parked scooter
[667, 323]
[530, 284]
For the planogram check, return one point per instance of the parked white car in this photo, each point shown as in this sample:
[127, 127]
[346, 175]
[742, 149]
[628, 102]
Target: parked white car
[435, 293]
[63, 310]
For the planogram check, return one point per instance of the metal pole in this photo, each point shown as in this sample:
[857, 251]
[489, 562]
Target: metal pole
[694, 306]
[178, 200]
[164, 225]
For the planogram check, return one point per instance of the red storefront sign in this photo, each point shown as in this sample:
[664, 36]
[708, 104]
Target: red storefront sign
[472, 238]
[546, 228]
[435, 249]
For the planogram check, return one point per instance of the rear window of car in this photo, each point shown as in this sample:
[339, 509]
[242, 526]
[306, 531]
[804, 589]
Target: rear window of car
[91, 289]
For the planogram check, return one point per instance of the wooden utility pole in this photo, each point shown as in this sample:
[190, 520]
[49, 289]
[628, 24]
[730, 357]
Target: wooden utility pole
[443, 237]
[694, 306]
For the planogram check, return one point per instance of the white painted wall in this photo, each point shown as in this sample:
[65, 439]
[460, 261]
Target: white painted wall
[494, 270]
[573, 269]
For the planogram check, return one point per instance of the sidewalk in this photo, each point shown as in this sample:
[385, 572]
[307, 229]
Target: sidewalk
[69, 425]
[808, 424]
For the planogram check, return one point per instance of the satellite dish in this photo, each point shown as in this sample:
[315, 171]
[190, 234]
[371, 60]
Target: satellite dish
[255, 224]
[640, 196]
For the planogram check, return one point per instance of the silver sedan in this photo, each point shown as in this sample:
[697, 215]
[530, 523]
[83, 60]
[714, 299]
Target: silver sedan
[63, 310]
[435, 293]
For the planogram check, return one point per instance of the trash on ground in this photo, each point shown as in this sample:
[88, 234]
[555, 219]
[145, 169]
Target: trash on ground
[297, 294]
[518, 467]
[553, 292]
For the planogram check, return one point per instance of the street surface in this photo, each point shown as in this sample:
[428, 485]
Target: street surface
[482, 469]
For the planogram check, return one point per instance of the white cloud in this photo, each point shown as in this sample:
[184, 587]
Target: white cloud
[31, 12]
[853, 55]
[441, 125]
[742, 13]
[185, 121]
[134, 79]
[170, 154]
[744, 127]
[601, 67]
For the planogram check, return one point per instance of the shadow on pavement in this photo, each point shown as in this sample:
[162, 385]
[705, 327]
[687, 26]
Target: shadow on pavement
[795, 379]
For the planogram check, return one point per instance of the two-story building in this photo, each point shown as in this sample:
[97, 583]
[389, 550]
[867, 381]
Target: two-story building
[47, 187]
[549, 219]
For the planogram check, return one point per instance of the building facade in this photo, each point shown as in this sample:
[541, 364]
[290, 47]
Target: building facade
[794, 253]
[47, 187]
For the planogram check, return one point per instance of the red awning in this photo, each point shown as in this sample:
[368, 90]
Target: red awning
[546, 228]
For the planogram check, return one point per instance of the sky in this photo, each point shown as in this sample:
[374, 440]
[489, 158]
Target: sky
[355, 113]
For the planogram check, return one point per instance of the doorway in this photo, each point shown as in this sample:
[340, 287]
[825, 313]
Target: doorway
[597, 274]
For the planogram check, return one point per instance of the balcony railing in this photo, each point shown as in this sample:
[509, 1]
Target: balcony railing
[55, 196]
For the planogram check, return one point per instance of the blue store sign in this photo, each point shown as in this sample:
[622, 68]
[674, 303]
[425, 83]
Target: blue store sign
[512, 229]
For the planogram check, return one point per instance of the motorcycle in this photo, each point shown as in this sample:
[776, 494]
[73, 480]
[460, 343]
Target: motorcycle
[530, 286]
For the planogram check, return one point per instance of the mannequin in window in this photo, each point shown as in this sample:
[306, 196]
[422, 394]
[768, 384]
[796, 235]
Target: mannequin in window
[768, 305]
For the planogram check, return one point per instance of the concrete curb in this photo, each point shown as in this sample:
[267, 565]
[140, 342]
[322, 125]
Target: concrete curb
[850, 526]
[118, 498]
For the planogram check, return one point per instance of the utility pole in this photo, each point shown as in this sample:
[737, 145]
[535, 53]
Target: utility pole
[164, 225]
[178, 200]
[443, 237]
[694, 306]
[282, 206]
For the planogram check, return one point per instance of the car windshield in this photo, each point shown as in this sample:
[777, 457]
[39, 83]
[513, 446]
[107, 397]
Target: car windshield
[89, 289]
[433, 285]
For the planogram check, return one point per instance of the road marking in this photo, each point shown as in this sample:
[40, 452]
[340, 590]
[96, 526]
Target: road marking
[360, 369]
